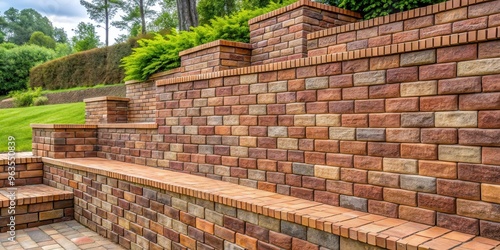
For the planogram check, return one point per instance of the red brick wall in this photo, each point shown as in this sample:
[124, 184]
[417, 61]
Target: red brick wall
[67, 141]
[28, 170]
[106, 109]
[215, 56]
[141, 107]
[281, 35]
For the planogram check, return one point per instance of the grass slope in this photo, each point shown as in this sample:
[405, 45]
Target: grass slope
[16, 121]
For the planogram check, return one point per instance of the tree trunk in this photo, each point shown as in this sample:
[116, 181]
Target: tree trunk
[106, 9]
[143, 18]
[188, 16]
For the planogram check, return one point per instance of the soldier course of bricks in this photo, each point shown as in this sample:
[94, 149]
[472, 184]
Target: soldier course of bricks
[326, 131]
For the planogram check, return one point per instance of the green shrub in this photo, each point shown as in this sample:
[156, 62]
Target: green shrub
[26, 98]
[375, 8]
[83, 69]
[41, 100]
[162, 52]
[16, 63]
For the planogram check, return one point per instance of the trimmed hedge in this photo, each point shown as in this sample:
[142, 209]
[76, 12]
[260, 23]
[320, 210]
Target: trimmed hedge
[86, 68]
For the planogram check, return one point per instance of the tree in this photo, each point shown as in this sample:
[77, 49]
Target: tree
[208, 9]
[86, 38]
[188, 15]
[135, 15]
[42, 40]
[19, 25]
[102, 11]
[167, 18]
[60, 35]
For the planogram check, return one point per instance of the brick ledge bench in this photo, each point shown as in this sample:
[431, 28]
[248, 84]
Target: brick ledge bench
[322, 219]
[36, 205]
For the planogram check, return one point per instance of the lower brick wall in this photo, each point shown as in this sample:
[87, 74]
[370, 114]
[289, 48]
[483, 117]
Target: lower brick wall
[28, 171]
[143, 217]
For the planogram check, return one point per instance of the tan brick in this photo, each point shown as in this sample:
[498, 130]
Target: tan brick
[451, 15]
[398, 165]
[288, 143]
[248, 79]
[459, 153]
[418, 58]
[418, 88]
[490, 192]
[231, 120]
[54, 214]
[369, 78]
[456, 119]
[479, 67]
[327, 172]
[331, 120]
[239, 151]
[304, 120]
[341, 133]
[317, 83]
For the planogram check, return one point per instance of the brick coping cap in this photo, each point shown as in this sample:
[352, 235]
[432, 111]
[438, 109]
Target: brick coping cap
[32, 194]
[106, 98]
[390, 232]
[20, 158]
[473, 36]
[300, 4]
[214, 44]
[396, 17]
[94, 126]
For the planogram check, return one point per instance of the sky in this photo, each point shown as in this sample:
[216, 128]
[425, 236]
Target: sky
[62, 13]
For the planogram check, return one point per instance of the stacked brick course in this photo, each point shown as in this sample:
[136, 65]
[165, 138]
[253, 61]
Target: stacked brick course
[28, 170]
[142, 95]
[282, 34]
[215, 56]
[107, 109]
[64, 141]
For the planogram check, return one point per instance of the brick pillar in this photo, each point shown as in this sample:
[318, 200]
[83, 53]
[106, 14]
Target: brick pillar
[106, 109]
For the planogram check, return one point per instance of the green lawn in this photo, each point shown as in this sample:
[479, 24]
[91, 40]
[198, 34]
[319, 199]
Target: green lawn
[16, 121]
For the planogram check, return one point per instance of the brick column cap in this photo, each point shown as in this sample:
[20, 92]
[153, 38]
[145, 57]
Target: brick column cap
[107, 98]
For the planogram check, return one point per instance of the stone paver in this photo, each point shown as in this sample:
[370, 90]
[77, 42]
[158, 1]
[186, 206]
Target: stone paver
[63, 235]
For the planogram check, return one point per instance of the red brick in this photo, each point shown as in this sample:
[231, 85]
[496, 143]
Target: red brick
[298, 244]
[306, 96]
[459, 189]
[489, 49]
[408, 74]
[302, 193]
[341, 107]
[317, 132]
[384, 91]
[437, 203]
[491, 155]
[354, 175]
[420, 22]
[315, 158]
[355, 120]
[329, 69]
[316, 107]
[313, 183]
[355, 93]
[439, 135]
[340, 187]
[489, 119]
[369, 106]
[329, 94]
[385, 120]
[354, 66]
[331, 146]
[405, 36]
[479, 137]
[268, 76]
[295, 85]
[438, 169]
[400, 196]
[418, 215]
[435, 30]
[383, 208]
[383, 149]
[287, 74]
[280, 240]
[402, 104]
[340, 160]
[326, 197]
[368, 191]
[458, 223]
[479, 101]
[230, 223]
[305, 72]
[353, 147]
[368, 162]
[489, 229]
[379, 41]
[457, 53]
[438, 71]
[245, 241]
[439, 103]
[341, 81]
[419, 151]
[479, 173]
[470, 24]
[459, 85]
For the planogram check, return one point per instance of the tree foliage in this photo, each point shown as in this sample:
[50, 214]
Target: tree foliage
[209, 9]
[40, 39]
[85, 37]
[19, 25]
[16, 63]
[132, 18]
[376, 8]
[102, 11]
[162, 52]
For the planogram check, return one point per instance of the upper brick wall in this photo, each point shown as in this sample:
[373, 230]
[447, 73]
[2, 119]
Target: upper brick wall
[281, 34]
[446, 18]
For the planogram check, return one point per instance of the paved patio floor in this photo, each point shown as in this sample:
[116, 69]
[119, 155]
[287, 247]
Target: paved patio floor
[67, 235]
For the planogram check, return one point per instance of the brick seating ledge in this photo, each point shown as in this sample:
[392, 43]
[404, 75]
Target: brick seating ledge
[357, 226]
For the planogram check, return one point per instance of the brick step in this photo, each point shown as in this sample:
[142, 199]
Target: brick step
[184, 210]
[448, 18]
[35, 205]
[28, 169]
